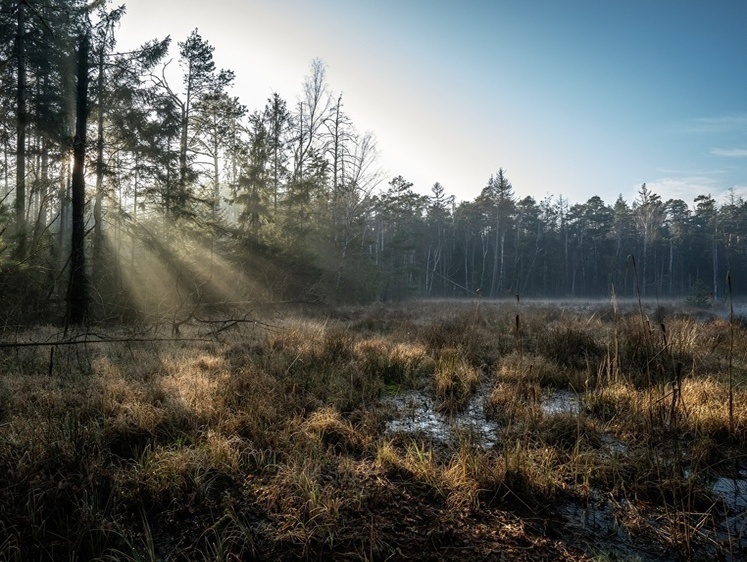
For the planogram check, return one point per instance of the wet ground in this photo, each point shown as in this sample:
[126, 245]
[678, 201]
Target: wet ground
[732, 491]
[597, 523]
[416, 412]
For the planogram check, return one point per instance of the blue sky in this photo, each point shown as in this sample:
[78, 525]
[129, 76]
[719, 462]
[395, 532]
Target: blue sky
[574, 98]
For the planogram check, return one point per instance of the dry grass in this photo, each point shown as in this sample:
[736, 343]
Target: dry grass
[455, 380]
[403, 364]
[273, 444]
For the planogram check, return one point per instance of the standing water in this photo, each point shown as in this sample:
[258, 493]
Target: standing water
[416, 412]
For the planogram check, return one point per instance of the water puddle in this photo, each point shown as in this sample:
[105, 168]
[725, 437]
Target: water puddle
[561, 402]
[598, 524]
[568, 402]
[732, 491]
[415, 412]
[598, 529]
[730, 531]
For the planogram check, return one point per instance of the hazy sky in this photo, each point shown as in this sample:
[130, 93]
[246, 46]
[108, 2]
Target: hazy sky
[571, 97]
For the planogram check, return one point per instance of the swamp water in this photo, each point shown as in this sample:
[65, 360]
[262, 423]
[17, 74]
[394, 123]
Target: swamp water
[596, 524]
[415, 411]
[732, 492]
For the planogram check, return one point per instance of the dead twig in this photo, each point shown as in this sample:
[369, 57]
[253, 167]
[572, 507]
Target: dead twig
[231, 322]
[11, 345]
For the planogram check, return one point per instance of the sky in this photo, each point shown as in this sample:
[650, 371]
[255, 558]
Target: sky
[572, 98]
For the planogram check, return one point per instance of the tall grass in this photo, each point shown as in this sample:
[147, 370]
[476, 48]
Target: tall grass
[272, 443]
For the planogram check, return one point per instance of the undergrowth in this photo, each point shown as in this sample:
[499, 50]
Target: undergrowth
[270, 441]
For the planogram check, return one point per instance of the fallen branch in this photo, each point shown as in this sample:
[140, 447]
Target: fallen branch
[231, 322]
[5, 345]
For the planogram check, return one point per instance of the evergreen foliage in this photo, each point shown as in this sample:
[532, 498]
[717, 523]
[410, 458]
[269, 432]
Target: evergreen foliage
[289, 197]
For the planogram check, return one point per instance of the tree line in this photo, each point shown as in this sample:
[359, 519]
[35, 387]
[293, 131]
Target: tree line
[109, 157]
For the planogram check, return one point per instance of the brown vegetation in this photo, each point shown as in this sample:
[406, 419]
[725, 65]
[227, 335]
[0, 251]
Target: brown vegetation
[271, 442]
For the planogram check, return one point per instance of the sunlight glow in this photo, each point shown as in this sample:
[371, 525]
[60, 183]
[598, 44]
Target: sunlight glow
[167, 277]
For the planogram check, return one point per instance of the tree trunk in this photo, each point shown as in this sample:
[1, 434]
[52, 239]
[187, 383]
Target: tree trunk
[494, 278]
[715, 270]
[503, 259]
[184, 138]
[467, 284]
[216, 180]
[21, 119]
[645, 260]
[98, 235]
[78, 288]
[43, 195]
[671, 268]
[63, 220]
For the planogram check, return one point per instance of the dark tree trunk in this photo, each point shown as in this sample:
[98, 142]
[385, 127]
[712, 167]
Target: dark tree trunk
[98, 235]
[184, 133]
[21, 119]
[78, 289]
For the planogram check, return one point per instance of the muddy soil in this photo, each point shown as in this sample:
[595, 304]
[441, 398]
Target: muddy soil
[599, 525]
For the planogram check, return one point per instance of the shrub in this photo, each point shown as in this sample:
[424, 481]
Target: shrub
[700, 295]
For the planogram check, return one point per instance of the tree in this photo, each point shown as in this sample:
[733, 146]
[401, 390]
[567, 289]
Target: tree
[310, 168]
[353, 203]
[498, 197]
[471, 237]
[340, 137]
[78, 289]
[311, 112]
[676, 234]
[398, 229]
[252, 187]
[438, 218]
[36, 56]
[598, 224]
[529, 242]
[648, 213]
[623, 229]
[278, 123]
[104, 35]
[216, 119]
[550, 220]
[200, 79]
[21, 121]
[706, 228]
[733, 219]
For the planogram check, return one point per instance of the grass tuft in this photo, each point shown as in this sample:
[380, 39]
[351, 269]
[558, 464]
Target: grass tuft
[275, 443]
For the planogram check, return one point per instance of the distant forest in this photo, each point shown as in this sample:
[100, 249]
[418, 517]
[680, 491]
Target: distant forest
[134, 182]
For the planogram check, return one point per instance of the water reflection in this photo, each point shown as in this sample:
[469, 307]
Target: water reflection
[415, 412]
[561, 402]
[733, 491]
